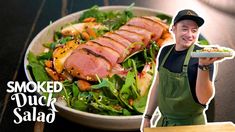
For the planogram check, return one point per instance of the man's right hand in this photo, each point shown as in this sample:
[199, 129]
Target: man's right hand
[145, 123]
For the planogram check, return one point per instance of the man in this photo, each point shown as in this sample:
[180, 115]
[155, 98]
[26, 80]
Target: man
[183, 85]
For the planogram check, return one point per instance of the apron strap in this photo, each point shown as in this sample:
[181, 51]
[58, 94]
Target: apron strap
[187, 58]
[166, 56]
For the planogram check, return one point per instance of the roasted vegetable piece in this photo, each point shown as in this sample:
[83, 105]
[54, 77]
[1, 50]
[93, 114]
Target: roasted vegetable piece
[52, 74]
[48, 63]
[83, 85]
[61, 53]
[89, 19]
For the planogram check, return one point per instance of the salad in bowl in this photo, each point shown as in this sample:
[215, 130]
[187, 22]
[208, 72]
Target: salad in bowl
[105, 58]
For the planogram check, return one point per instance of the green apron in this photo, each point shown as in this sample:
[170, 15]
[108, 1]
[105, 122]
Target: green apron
[175, 99]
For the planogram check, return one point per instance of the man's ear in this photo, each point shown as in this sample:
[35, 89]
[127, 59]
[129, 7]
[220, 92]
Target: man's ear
[173, 28]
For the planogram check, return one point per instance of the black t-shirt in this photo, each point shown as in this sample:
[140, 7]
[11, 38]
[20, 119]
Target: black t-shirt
[174, 63]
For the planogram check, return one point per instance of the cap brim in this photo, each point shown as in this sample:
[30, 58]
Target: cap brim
[197, 19]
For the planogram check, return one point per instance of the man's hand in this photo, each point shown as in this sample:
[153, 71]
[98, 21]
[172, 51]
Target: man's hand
[145, 124]
[208, 61]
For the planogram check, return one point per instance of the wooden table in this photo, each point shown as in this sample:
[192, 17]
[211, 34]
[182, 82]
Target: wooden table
[210, 127]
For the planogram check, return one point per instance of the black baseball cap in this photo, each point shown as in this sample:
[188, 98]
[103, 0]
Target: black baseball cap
[188, 14]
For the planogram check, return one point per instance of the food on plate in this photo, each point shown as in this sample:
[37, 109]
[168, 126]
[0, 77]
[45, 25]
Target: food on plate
[213, 51]
[105, 60]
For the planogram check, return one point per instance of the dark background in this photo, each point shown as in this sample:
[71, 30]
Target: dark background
[22, 20]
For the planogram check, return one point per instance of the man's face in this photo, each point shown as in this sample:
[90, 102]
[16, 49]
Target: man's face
[186, 33]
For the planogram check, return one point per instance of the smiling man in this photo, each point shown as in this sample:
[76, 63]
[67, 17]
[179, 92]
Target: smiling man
[183, 85]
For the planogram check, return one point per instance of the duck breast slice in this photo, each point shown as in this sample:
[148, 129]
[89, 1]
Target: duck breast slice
[84, 65]
[149, 25]
[147, 34]
[102, 51]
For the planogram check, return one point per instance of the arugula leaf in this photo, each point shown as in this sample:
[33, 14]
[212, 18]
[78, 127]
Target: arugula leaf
[125, 112]
[32, 58]
[57, 35]
[65, 40]
[106, 84]
[45, 55]
[82, 101]
[112, 19]
[93, 12]
[75, 90]
[140, 103]
[79, 105]
[99, 103]
[125, 92]
[39, 73]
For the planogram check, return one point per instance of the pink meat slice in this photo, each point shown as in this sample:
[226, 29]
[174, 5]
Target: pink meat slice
[84, 65]
[136, 39]
[149, 25]
[157, 20]
[147, 34]
[110, 43]
[105, 52]
[126, 43]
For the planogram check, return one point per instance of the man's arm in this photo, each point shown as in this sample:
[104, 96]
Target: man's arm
[204, 87]
[151, 103]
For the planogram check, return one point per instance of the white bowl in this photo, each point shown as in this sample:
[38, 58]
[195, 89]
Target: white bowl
[85, 118]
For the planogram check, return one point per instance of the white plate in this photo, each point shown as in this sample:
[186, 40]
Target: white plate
[211, 54]
[88, 119]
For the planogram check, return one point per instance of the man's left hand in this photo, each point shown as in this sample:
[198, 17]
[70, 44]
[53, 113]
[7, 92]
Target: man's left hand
[208, 61]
